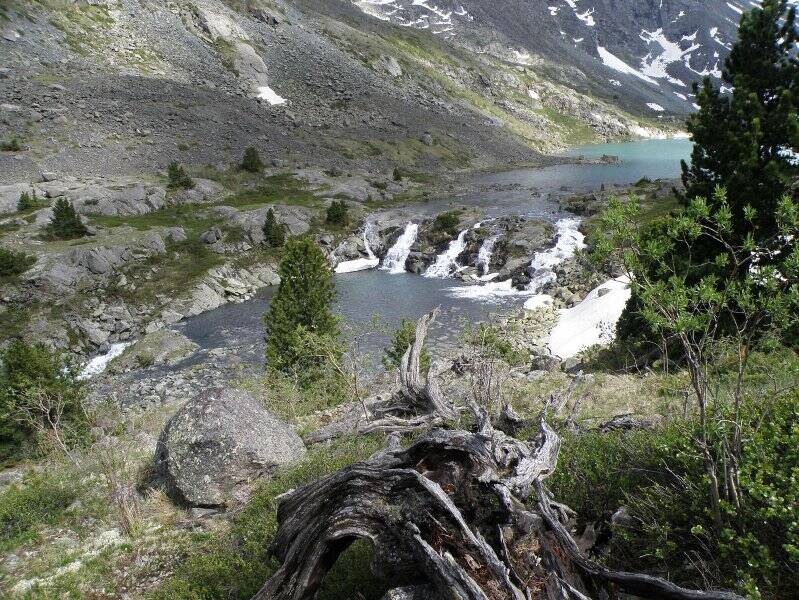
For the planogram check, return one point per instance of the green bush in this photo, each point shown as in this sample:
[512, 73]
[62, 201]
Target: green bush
[178, 178]
[65, 223]
[14, 263]
[251, 162]
[404, 337]
[39, 391]
[337, 213]
[398, 174]
[660, 477]
[39, 500]
[11, 146]
[448, 222]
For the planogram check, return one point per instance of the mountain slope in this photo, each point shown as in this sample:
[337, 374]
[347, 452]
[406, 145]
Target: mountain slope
[643, 54]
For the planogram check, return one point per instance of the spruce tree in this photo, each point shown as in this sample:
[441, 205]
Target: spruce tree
[746, 141]
[66, 224]
[301, 307]
[178, 178]
[274, 232]
[337, 213]
[26, 201]
[252, 161]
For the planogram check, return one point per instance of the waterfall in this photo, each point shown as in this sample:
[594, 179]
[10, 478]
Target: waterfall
[446, 263]
[361, 264]
[484, 255]
[398, 254]
[569, 241]
[98, 364]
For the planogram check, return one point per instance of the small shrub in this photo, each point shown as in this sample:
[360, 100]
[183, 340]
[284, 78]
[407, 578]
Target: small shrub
[397, 174]
[65, 224]
[178, 178]
[24, 508]
[447, 222]
[11, 146]
[145, 359]
[337, 213]
[14, 263]
[274, 232]
[252, 161]
[404, 337]
[379, 185]
[643, 181]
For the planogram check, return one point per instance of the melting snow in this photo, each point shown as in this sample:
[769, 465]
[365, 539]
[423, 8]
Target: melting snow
[617, 64]
[591, 322]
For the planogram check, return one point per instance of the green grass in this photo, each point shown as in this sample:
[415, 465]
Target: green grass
[236, 563]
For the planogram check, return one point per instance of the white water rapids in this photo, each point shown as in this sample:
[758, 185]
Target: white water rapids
[446, 263]
[398, 254]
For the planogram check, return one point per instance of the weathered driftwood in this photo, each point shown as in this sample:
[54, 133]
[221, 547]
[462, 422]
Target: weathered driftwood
[418, 404]
[448, 512]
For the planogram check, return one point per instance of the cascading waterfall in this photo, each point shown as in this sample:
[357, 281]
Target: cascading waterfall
[569, 241]
[97, 365]
[446, 263]
[398, 254]
[361, 264]
[484, 255]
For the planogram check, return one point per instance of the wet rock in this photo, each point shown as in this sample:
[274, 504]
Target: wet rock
[161, 347]
[217, 441]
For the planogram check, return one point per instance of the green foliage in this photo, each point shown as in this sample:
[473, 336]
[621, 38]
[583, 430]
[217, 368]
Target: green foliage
[743, 140]
[26, 201]
[38, 501]
[251, 162]
[337, 213]
[234, 565]
[65, 224]
[494, 343]
[659, 476]
[11, 146]
[404, 337]
[178, 178]
[448, 223]
[398, 174]
[274, 232]
[300, 326]
[39, 396]
[14, 263]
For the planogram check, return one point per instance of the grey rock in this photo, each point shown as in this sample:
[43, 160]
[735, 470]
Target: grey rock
[160, 347]
[212, 236]
[176, 234]
[218, 440]
[416, 592]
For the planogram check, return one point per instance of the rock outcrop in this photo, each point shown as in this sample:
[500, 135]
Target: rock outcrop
[217, 441]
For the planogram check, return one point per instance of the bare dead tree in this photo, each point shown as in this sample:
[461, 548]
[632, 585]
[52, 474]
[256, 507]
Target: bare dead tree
[43, 412]
[449, 514]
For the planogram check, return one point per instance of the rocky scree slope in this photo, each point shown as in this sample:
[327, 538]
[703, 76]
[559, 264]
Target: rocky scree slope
[121, 86]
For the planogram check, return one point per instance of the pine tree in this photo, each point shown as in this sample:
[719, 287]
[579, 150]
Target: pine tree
[301, 307]
[745, 141]
[26, 201]
[337, 213]
[178, 178]
[252, 161]
[274, 232]
[66, 224]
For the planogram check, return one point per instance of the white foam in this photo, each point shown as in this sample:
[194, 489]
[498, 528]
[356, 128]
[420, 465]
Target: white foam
[484, 255]
[398, 254]
[98, 364]
[538, 301]
[591, 322]
[446, 263]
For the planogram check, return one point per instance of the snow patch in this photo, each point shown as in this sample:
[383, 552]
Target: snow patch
[268, 94]
[591, 322]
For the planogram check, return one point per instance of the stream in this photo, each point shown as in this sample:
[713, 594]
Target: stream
[393, 295]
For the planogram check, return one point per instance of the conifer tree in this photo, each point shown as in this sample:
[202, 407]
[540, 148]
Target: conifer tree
[65, 224]
[274, 232]
[300, 308]
[337, 213]
[178, 178]
[26, 201]
[747, 141]
[252, 161]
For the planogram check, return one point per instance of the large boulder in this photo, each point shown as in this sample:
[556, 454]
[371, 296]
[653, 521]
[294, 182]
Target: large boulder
[218, 440]
[162, 347]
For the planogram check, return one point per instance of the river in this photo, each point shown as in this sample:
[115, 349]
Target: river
[394, 296]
